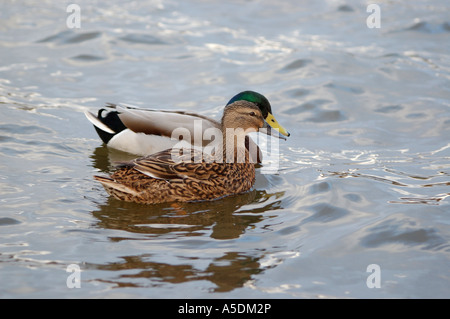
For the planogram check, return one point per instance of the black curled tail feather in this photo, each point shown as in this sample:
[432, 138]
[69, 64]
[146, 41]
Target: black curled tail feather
[111, 120]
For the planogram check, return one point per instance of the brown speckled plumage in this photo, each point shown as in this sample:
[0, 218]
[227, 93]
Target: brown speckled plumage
[204, 181]
[158, 179]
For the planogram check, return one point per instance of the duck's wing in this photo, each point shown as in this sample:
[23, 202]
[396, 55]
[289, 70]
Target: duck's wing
[163, 166]
[119, 117]
[164, 123]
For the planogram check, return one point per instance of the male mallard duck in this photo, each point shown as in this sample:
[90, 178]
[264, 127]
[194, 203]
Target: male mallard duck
[144, 132]
[158, 178]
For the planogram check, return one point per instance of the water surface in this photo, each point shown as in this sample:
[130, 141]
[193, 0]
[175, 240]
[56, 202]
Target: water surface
[364, 178]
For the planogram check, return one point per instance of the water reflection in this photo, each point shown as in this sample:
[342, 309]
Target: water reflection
[228, 272]
[103, 157]
[214, 221]
[187, 219]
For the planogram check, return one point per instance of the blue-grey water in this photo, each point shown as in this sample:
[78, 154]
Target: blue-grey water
[363, 180]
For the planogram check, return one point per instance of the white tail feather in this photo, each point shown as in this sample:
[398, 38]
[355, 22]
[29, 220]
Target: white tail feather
[96, 122]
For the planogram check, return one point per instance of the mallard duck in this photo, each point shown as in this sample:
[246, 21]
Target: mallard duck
[158, 178]
[144, 131]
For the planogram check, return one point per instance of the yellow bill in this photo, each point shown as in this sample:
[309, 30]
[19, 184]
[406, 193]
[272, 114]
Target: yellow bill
[270, 119]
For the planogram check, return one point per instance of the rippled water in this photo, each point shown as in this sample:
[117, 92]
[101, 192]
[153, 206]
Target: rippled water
[364, 178]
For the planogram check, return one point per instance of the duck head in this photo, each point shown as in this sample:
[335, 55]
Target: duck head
[262, 103]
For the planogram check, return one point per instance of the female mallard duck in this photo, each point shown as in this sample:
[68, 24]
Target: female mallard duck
[158, 178]
[144, 132]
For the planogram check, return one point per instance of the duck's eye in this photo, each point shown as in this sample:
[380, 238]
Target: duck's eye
[252, 113]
